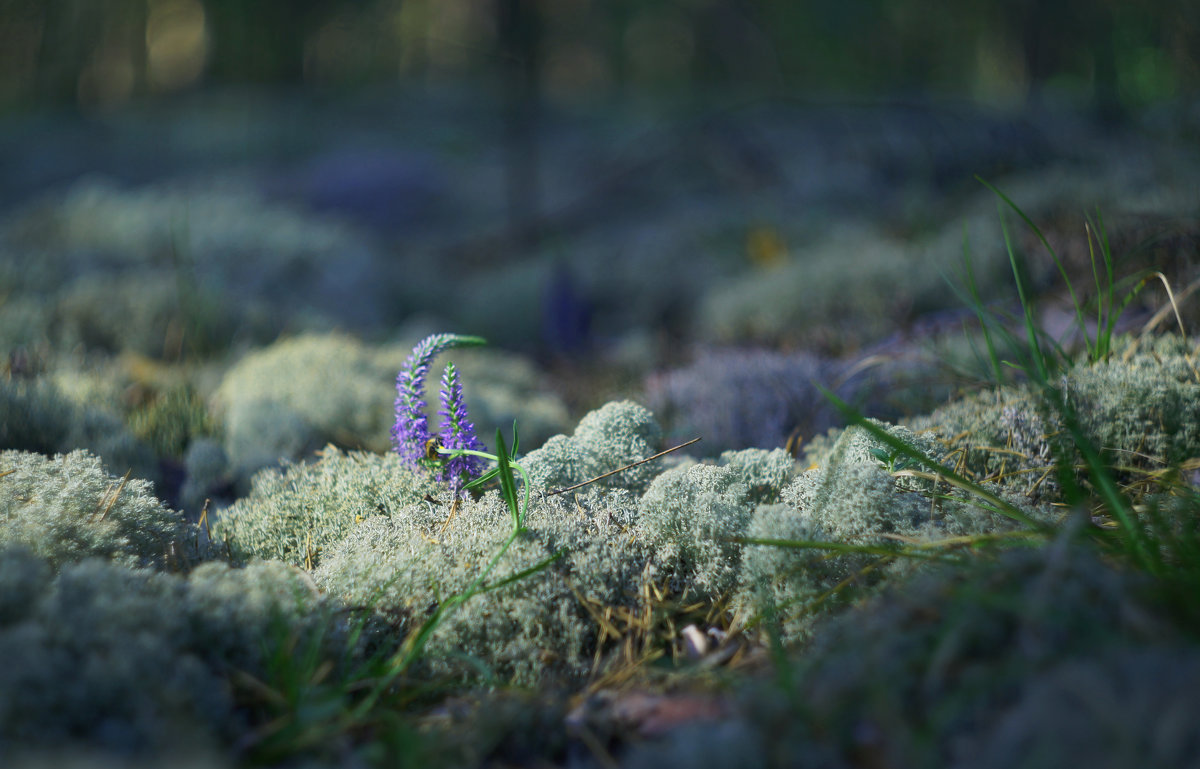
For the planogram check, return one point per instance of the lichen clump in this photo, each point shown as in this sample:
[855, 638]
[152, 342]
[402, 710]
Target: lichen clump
[299, 394]
[67, 507]
[534, 629]
[134, 662]
[1140, 408]
[615, 435]
[40, 415]
[580, 555]
[295, 513]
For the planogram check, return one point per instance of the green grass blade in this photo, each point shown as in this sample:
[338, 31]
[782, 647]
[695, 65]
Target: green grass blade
[976, 305]
[1106, 486]
[1103, 305]
[482, 479]
[1005, 508]
[1031, 335]
[838, 547]
[1053, 255]
[539, 566]
[508, 486]
[1106, 252]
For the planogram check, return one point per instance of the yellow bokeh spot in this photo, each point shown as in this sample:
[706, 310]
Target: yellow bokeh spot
[176, 43]
[765, 247]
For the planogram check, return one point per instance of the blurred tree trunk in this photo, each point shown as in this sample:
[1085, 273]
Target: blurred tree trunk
[519, 28]
[1049, 34]
[91, 51]
[68, 40]
[1106, 100]
[258, 40]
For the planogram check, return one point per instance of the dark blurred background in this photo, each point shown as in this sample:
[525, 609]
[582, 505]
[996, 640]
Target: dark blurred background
[709, 204]
[599, 166]
[1117, 56]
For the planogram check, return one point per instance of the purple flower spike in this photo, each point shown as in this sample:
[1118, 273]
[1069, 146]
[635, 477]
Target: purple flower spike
[457, 431]
[411, 431]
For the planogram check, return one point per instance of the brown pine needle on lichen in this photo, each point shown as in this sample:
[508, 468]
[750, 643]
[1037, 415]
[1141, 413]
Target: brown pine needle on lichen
[115, 494]
[629, 466]
[450, 517]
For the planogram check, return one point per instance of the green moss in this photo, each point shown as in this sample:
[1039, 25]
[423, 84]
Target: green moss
[294, 514]
[67, 508]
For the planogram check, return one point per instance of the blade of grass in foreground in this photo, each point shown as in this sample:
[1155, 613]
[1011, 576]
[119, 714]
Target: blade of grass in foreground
[508, 486]
[1053, 255]
[977, 305]
[1135, 537]
[1106, 486]
[839, 547]
[854, 417]
[1031, 335]
[414, 645]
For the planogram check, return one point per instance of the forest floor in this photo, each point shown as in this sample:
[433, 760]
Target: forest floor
[168, 270]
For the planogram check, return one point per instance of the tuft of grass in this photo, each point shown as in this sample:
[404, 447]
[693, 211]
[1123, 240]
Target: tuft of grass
[1037, 353]
[1152, 542]
[1148, 525]
[1038, 366]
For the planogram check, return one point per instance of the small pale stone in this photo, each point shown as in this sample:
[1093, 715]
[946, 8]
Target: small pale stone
[695, 642]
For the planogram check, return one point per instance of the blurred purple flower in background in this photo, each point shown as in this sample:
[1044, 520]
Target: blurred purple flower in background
[739, 399]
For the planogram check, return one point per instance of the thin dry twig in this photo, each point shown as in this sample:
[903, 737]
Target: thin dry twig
[450, 517]
[113, 500]
[622, 469]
